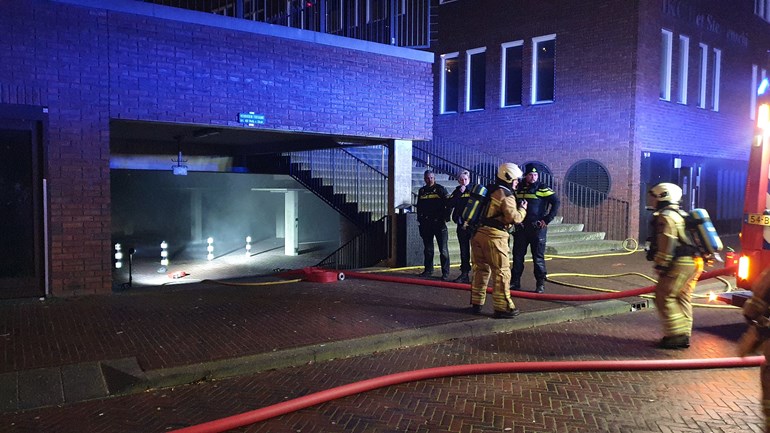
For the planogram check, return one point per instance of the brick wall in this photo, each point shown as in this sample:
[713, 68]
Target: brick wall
[606, 104]
[91, 65]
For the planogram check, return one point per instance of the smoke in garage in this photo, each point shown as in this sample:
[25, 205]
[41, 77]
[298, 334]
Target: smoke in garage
[186, 212]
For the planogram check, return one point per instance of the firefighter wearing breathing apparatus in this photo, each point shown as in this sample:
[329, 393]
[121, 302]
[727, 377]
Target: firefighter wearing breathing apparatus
[757, 313]
[677, 263]
[489, 246]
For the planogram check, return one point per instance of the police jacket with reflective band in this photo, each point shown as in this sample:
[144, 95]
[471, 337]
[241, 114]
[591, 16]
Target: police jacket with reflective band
[457, 202]
[432, 204]
[542, 202]
[671, 239]
[503, 207]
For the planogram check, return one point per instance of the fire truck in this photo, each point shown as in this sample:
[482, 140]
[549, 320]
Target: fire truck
[754, 256]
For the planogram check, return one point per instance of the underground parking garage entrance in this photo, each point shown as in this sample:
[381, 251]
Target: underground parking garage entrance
[192, 203]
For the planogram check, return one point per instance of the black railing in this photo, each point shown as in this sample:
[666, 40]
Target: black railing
[404, 23]
[579, 204]
[596, 210]
[350, 185]
[369, 248]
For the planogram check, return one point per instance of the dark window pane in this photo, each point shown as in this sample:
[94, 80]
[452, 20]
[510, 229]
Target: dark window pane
[478, 81]
[545, 70]
[513, 75]
[451, 85]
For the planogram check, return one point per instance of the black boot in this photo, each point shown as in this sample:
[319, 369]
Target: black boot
[515, 285]
[463, 278]
[506, 314]
[425, 273]
[540, 287]
[675, 342]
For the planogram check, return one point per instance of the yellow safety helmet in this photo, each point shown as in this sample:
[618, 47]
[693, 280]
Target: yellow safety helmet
[663, 192]
[508, 172]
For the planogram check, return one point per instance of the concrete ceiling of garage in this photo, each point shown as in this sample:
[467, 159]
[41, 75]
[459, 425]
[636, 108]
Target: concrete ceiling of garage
[153, 138]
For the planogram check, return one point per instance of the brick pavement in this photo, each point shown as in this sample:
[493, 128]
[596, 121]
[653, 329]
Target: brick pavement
[721, 400]
[162, 329]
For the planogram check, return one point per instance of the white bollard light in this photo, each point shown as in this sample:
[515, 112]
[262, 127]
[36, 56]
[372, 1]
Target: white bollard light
[118, 256]
[163, 253]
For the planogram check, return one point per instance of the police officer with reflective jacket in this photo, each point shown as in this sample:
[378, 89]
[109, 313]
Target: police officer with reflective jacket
[542, 206]
[489, 246]
[457, 202]
[677, 263]
[432, 215]
[757, 313]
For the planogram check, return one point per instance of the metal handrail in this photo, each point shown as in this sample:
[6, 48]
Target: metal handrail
[367, 249]
[579, 204]
[404, 23]
[350, 185]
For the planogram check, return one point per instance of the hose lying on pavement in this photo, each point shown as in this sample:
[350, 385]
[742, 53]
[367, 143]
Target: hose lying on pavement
[530, 295]
[303, 402]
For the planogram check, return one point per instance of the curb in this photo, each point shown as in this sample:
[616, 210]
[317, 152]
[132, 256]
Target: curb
[96, 380]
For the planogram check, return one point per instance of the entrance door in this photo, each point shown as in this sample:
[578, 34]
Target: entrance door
[690, 180]
[21, 215]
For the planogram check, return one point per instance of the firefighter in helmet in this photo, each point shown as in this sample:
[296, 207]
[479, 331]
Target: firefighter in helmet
[677, 263]
[757, 313]
[489, 246]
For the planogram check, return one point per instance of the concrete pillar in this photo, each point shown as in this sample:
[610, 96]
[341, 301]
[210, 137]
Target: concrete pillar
[279, 221]
[196, 213]
[399, 186]
[291, 223]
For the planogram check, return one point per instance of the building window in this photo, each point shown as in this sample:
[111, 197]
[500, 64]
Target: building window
[717, 77]
[475, 79]
[450, 82]
[665, 65]
[511, 73]
[543, 68]
[753, 98]
[684, 63]
[703, 75]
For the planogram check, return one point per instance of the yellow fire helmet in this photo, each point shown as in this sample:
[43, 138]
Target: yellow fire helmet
[663, 192]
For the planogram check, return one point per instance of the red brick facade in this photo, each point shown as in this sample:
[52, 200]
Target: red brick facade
[88, 65]
[607, 76]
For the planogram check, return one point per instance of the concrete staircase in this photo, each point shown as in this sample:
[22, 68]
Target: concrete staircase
[563, 239]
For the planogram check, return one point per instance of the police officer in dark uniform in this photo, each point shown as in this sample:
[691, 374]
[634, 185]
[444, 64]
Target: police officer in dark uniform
[457, 202]
[542, 206]
[432, 215]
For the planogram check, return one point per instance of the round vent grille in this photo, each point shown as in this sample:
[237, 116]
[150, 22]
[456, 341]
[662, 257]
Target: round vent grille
[588, 183]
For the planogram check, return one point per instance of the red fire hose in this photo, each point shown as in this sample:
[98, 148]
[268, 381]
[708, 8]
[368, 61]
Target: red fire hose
[530, 295]
[296, 404]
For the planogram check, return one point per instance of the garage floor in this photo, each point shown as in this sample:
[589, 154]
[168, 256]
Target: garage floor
[190, 265]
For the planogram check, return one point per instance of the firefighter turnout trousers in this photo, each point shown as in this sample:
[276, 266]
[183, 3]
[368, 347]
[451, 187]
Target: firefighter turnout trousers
[673, 295]
[489, 251]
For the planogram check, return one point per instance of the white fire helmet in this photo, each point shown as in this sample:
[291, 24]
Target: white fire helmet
[508, 172]
[663, 192]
